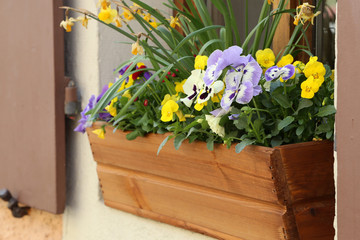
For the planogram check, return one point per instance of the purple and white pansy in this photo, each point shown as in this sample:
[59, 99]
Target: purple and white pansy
[242, 82]
[218, 60]
[275, 72]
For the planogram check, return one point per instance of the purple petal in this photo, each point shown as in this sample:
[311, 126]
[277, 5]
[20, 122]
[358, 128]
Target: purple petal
[246, 93]
[252, 73]
[257, 90]
[211, 75]
[219, 112]
[214, 57]
[234, 116]
[227, 99]
[104, 89]
[232, 80]
[229, 57]
[272, 73]
[287, 71]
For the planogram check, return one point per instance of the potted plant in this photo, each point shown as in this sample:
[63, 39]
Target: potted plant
[262, 176]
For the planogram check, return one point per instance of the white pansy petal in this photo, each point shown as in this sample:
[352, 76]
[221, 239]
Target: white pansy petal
[218, 86]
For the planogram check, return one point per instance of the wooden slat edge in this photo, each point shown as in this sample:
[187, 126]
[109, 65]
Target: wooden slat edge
[284, 197]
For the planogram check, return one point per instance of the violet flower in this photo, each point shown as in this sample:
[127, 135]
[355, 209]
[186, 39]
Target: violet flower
[218, 60]
[285, 72]
[84, 121]
[242, 82]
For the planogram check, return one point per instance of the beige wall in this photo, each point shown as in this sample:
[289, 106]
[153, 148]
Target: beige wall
[92, 56]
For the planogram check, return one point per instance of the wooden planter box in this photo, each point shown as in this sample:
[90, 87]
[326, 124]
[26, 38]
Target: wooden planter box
[285, 192]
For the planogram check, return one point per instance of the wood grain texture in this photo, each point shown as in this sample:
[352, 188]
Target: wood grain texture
[246, 173]
[261, 193]
[225, 213]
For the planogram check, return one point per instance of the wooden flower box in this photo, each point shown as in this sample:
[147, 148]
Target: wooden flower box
[265, 193]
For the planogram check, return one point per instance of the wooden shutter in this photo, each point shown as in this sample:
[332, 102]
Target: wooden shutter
[32, 138]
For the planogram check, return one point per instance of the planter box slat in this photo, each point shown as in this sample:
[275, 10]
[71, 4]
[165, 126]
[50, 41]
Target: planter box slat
[261, 193]
[237, 216]
[309, 169]
[217, 169]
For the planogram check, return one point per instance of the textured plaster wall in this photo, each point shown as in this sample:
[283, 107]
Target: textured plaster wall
[91, 57]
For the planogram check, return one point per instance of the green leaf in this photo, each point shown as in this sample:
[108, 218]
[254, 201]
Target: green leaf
[276, 142]
[300, 130]
[240, 146]
[326, 111]
[328, 71]
[133, 135]
[192, 138]
[178, 140]
[285, 122]
[241, 123]
[164, 142]
[210, 143]
[281, 99]
[303, 103]
[329, 134]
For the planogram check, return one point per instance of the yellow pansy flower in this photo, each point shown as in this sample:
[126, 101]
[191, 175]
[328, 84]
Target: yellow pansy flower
[67, 23]
[270, 1]
[179, 86]
[111, 108]
[168, 110]
[200, 106]
[332, 77]
[127, 94]
[100, 133]
[180, 115]
[266, 57]
[107, 15]
[200, 62]
[285, 60]
[315, 69]
[299, 66]
[137, 49]
[309, 88]
[169, 97]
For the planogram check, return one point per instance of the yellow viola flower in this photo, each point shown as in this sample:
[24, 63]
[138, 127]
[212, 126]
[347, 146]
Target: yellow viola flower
[127, 94]
[217, 97]
[169, 97]
[200, 106]
[266, 57]
[67, 23]
[200, 62]
[180, 115]
[111, 108]
[174, 21]
[137, 49]
[270, 1]
[332, 77]
[100, 133]
[107, 15]
[285, 60]
[309, 88]
[299, 66]
[305, 13]
[168, 110]
[315, 69]
[179, 86]
[127, 14]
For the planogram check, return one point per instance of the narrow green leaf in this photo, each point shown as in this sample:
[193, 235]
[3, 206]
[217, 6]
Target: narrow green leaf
[240, 146]
[164, 142]
[285, 122]
[281, 99]
[178, 140]
[326, 111]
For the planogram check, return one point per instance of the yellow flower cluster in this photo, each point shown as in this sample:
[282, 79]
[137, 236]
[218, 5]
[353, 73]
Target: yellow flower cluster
[315, 72]
[169, 107]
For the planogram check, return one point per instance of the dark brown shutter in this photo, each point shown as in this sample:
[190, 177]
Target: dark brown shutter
[32, 135]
